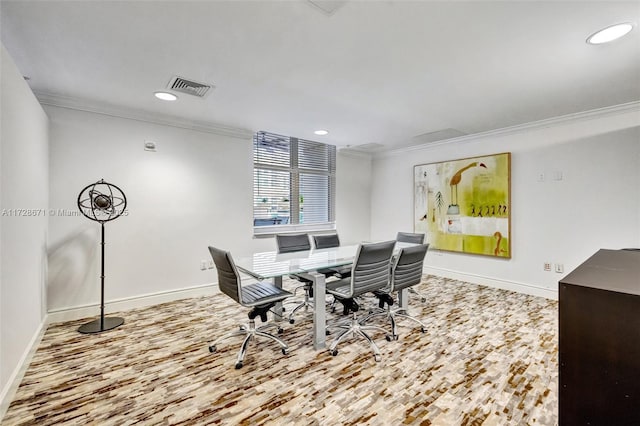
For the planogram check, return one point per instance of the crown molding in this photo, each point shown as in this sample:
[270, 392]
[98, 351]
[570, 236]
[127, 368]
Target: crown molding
[60, 101]
[579, 117]
[346, 152]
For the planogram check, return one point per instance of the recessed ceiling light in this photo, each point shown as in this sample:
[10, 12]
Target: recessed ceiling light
[321, 132]
[611, 33]
[165, 96]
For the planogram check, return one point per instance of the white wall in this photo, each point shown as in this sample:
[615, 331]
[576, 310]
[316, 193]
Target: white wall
[353, 194]
[195, 191]
[23, 185]
[595, 205]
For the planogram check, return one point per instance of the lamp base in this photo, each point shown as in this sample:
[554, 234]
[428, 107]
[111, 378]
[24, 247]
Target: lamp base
[95, 325]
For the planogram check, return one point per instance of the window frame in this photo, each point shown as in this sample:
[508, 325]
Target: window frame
[295, 171]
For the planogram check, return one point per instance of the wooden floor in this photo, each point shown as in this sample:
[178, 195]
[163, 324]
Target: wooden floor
[488, 357]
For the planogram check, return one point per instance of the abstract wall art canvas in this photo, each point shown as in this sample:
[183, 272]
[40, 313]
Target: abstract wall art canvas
[465, 205]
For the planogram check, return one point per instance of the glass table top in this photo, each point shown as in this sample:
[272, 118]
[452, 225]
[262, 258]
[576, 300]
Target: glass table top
[272, 264]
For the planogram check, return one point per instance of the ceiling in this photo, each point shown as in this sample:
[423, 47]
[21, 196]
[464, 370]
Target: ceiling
[372, 72]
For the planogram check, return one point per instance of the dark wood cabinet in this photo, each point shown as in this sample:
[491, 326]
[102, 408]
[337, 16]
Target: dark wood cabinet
[599, 341]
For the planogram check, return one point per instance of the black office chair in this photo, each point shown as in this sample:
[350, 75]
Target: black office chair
[330, 241]
[289, 243]
[340, 272]
[261, 297]
[408, 237]
[406, 271]
[370, 272]
[326, 241]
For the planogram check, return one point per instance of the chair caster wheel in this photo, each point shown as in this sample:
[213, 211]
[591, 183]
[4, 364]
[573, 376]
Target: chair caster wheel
[285, 352]
[291, 321]
[284, 309]
[333, 309]
[242, 328]
[377, 357]
[212, 348]
[280, 330]
[424, 299]
[423, 330]
[327, 333]
[388, 337]
[395, 337]
[334, 352]
[238, 365]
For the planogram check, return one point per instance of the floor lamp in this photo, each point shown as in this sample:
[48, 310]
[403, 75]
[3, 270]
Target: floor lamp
[101, 202]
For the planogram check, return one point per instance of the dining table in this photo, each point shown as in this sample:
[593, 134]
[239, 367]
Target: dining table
[271, 265]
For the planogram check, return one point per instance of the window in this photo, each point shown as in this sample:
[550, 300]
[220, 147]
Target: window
[294, 184]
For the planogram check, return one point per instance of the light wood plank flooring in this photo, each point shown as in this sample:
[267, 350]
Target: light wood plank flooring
[488, 357]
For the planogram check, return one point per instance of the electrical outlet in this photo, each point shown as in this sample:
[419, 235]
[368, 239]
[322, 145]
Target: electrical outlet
[210, 264]
[540, 177]
[203, 265]
[559, 268]
[547, 266]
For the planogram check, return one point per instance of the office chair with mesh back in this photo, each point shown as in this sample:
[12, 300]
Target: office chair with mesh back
[408, 237]
[370, 272]
[289, 243]
[406, 271]
[261, 297]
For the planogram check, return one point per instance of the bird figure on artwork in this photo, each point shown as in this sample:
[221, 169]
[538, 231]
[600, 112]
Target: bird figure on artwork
[457, 177]
[498, 251]
[498, 237]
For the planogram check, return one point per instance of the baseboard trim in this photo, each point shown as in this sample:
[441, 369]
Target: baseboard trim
[92, 310]
[9, 390]
[519, 287]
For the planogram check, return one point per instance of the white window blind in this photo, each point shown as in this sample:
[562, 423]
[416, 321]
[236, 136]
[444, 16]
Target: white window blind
[293, 183]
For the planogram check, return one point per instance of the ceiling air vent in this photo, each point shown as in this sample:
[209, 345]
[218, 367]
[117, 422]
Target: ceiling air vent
[189, 87]
[328, 7]
[367, 147]
[436, 136]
